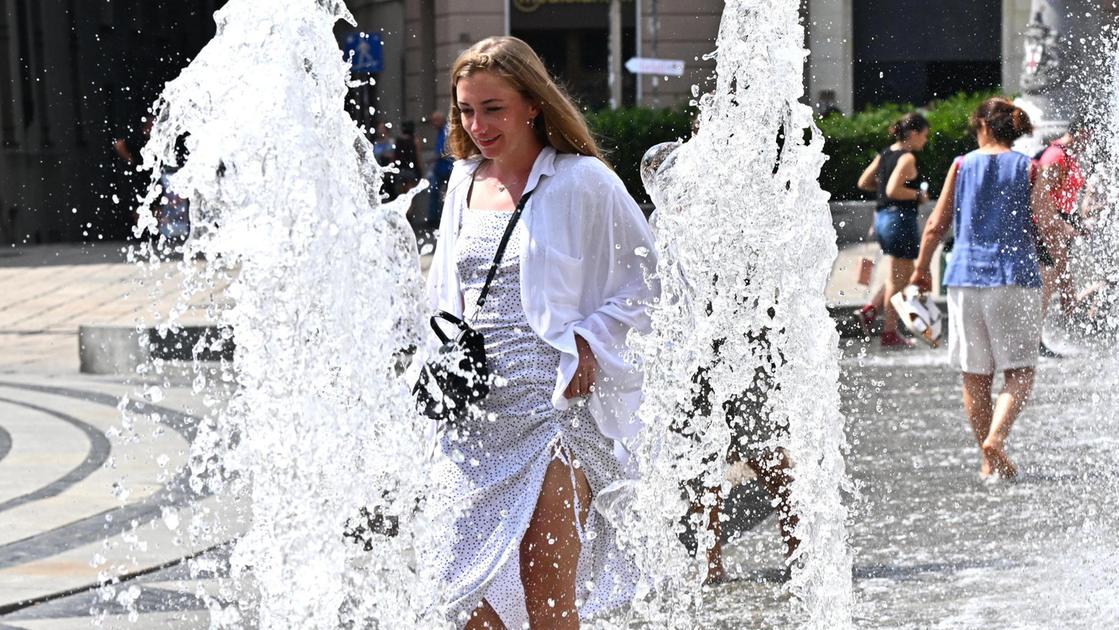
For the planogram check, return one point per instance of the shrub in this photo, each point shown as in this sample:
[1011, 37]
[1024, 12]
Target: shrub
[625, 134]
[852, 142]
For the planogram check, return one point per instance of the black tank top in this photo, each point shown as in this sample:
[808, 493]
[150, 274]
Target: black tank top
[887, 162]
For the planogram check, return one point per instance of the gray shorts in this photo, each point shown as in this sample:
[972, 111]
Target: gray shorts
[991, 329]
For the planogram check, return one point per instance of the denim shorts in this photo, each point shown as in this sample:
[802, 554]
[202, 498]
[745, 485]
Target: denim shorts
[897, 233]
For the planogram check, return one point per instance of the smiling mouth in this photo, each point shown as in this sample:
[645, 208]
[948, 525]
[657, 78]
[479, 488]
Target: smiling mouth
[488, 141]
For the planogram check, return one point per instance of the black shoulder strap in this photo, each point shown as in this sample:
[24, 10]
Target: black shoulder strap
[473, 175]
[501, 248]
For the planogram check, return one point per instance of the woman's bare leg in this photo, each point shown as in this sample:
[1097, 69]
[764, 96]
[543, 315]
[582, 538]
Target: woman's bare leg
[878, 301]
[550, 549]
[1013, 397]
[716, 573]
[1066, 291]
[1048, 286]
[892, 286]
[977, 405]
[484, 617]
[773, 472]
[1056, 280]
[898, 272]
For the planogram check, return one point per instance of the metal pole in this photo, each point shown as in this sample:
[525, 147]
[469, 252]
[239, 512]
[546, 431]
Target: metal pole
[615, 54]
[655, 27]
[638, 33]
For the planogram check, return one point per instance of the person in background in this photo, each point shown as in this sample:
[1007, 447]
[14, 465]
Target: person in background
[1066, 180]
[756, 431]
[384, 151]
[172, 212]
[993, 279]
[128, 147]
[894, 177]
[133, 179]
[407, 162]
[441, 165]
[827, 105]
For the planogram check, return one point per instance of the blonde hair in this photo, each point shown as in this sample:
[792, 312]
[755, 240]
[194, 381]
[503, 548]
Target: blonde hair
[558, 125]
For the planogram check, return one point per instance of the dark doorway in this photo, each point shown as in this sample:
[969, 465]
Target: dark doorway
[914, 51]
[574, 42]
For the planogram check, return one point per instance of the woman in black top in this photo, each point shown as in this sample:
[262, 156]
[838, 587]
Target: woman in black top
[893, 176]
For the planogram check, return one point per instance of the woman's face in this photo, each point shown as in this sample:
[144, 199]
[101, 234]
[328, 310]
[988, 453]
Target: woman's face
[918, 139]
[497, 117]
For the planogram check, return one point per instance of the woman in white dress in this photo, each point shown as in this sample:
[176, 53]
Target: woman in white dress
[528, 547]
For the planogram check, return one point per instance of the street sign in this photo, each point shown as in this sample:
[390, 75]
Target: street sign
[648, 65]
[364, 52]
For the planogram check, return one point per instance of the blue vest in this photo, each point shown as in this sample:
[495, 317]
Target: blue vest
[995, 235]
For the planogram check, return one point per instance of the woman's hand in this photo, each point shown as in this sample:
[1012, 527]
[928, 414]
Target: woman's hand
[921, 277]
[582, 383]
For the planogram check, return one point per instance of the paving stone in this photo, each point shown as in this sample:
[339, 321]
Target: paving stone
[43, 449]
[89, 492]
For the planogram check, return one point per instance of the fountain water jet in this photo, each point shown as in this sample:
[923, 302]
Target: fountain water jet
[743, 228]
[325, 286]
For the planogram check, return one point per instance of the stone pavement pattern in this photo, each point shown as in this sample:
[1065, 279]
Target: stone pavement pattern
[77, 497]
[73, 487]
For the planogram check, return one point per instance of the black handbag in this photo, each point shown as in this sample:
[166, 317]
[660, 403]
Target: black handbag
[458, 377]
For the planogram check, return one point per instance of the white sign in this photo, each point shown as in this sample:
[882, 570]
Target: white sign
[648, 65]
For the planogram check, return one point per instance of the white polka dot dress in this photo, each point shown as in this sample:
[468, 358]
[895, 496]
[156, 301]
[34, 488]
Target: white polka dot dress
[494, 465]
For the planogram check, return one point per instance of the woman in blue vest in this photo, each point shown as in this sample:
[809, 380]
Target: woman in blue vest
[993, 278]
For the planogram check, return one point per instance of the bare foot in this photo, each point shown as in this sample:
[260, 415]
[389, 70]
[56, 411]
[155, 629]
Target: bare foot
[986, 469]
[787, 525]
[994, 452]
[716, 575]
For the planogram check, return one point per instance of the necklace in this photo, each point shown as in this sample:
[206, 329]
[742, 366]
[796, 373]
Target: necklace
[500, 187]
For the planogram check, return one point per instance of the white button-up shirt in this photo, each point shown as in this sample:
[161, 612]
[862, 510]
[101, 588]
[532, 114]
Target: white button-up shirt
[587, 268]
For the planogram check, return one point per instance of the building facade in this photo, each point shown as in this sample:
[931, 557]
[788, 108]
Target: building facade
[423, 37]
[862, 51]
[75, 75]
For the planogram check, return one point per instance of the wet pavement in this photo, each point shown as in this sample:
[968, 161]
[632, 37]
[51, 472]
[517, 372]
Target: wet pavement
[937, 547]
[934, 546]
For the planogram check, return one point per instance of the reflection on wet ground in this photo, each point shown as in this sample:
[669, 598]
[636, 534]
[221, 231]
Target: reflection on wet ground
[936, 546]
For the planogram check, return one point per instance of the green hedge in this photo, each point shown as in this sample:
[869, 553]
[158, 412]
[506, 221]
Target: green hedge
[625, 134]
[851, 142]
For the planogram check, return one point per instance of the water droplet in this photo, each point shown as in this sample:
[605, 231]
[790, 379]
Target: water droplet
[170, 518]
[154, 394]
